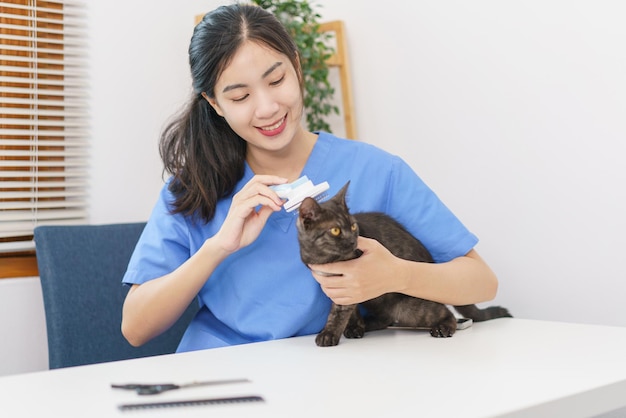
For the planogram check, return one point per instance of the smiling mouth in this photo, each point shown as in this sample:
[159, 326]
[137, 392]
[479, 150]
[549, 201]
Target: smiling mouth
[274, 129]
[274, 126]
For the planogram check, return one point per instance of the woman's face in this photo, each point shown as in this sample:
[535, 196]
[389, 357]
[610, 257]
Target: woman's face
[258, 94]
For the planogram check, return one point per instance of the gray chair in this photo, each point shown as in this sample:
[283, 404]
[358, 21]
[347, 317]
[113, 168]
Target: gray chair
[81, 268]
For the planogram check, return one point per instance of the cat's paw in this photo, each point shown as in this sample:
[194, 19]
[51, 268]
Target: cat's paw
[354, 332]
[442, 331]
[327, 339]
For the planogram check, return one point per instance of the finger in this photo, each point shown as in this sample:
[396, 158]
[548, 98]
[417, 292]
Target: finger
[334, 283]
[272, 195]
[326, 278]
[265, 212]
[339, 297]
[364, 244]
[265, 180]
[322, 273]
[263, 201]
[253, 189]
[255, 195]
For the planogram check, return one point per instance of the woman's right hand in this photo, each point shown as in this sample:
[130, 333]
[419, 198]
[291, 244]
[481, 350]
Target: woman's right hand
[244, 222]
[155, 305]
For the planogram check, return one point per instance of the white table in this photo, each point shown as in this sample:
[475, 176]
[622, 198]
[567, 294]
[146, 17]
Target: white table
[504, 367]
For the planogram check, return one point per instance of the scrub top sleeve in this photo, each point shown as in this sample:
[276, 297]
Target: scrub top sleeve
[163, 245]
[421, 211]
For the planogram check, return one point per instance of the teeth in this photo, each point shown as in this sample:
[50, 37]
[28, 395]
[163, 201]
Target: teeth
[275, 126]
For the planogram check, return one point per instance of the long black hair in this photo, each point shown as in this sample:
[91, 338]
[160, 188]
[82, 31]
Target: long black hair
[199, 149]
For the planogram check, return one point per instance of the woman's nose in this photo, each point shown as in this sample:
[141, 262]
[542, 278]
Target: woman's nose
[266, 105]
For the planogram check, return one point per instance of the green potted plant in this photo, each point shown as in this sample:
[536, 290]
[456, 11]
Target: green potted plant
[302, 21]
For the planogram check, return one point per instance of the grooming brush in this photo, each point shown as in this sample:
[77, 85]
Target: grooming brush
[297, 191]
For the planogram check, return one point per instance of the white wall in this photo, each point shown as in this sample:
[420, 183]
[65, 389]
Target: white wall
[140, 77]
[514, 112]
[24, 346]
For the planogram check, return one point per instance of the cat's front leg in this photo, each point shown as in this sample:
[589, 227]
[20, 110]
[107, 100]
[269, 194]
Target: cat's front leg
[335, 324]
[356, 326]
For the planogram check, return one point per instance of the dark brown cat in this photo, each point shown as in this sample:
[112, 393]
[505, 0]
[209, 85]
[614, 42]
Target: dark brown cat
[327, 232]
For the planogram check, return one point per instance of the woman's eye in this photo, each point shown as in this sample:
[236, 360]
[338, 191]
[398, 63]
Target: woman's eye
[335, 231]
[240, 99]
[277, 82]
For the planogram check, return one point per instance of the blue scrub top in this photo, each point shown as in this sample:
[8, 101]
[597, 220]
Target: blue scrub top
[264, 291]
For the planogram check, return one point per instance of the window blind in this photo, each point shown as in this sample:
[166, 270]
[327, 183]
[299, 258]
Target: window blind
[43, 118]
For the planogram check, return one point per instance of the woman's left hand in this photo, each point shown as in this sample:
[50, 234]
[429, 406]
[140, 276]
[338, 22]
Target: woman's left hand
[360, 279]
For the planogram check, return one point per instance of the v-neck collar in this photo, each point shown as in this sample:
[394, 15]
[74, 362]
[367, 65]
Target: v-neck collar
[313, 168]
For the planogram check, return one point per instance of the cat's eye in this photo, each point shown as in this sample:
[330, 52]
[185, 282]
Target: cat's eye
[353, 227]
[335, 231]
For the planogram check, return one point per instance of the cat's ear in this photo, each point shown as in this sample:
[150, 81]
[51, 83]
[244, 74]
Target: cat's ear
[341, 194]
[309, 211]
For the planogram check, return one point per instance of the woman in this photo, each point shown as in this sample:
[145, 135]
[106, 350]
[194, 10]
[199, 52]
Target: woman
[218, 231]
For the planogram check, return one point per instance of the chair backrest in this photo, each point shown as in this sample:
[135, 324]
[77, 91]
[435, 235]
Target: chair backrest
[81, 268]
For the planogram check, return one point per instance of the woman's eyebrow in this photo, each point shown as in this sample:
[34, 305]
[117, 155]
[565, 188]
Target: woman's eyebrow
[265, 74]
[272, 68]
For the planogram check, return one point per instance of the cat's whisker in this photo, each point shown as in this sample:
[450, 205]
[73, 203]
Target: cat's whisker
[326, 274]
[321, 197]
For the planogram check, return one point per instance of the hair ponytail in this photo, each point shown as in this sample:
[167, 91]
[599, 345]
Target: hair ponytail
[205, 161]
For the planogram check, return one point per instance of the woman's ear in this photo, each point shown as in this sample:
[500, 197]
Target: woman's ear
[213, 103]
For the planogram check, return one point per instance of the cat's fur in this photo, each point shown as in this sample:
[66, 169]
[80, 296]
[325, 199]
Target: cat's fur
[327, 232]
